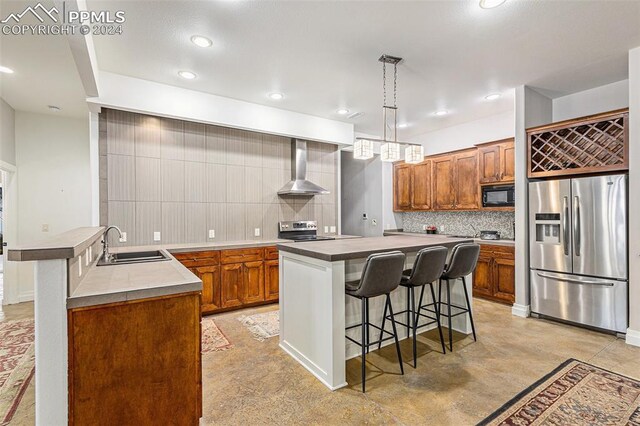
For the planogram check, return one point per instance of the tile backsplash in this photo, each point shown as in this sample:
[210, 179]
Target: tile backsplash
[183, 179]
[461, 223]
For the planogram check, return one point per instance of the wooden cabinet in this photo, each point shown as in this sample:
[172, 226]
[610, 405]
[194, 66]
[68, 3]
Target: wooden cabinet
[443, 181]
[421, 186]
[271, 280]
[465, 183]
[211, 297]
[136, 362]
[402, 187]
[234, 278]
[494, 277]
[496, 162]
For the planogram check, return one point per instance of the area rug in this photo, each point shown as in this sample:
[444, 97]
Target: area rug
[17, 364]
[213, 339]
[262, 326]
[575, 393]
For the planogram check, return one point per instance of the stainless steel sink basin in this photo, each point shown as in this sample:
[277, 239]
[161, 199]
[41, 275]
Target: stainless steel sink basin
[135, 257]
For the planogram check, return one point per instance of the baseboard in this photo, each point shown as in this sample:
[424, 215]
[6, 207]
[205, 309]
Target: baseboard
[633, 337]
[521, 310]
[25, 297]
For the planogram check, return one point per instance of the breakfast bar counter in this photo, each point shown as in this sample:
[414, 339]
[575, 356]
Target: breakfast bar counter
[314, 309]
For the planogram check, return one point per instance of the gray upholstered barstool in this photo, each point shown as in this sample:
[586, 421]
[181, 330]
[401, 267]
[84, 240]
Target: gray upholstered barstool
[380, 276]
[427, 268]
[464, 258]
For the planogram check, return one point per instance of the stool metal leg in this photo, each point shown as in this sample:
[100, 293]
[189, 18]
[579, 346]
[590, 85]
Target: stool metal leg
[433, 295]
[395, 335]
[364, 327]
[449, 314]
[367, 320]
[408, 312]
[416, 318]
[384, 319]
[466, 296]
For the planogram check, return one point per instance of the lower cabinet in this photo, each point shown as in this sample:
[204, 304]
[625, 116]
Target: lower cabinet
[235, 278]
[494, 277]
[136, 362]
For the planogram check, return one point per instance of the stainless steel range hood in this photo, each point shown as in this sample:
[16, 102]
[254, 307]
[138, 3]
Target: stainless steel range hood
[299, 185]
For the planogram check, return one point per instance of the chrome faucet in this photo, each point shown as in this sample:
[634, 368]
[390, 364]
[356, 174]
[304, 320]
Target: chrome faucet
[105, 243]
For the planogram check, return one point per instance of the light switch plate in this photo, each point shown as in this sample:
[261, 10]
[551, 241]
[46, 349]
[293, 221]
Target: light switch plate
[156, 236]
[256, 232]
[333, 229]
[123, 239]
[212, 233]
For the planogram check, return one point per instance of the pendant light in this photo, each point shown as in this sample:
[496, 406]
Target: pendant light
[390, 149]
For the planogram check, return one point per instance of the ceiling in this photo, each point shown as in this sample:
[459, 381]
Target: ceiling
[323, 55]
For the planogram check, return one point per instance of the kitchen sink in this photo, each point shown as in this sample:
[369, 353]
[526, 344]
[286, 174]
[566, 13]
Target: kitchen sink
[135, 257]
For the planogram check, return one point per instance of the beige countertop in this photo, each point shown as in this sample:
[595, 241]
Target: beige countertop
[62, 246]
[503, 242]
[362, 247]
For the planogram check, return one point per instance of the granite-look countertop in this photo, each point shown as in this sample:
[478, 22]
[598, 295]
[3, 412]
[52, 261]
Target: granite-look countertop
[359, 248]
[501, 242]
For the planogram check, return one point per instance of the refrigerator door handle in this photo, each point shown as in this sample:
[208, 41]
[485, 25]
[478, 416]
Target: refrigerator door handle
[565, 225]
[576, 225]
[569, 280]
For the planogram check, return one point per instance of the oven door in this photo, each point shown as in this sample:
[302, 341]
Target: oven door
[498, 196]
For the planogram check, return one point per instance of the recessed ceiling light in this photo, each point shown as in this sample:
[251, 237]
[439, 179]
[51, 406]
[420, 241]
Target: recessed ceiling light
[276, 96]
[6, 70]
[493, 96]
[402, 125]
[490, 4]
[54, 108]
[187, 75]
[441, 112]
[201, 41]
[343, 111]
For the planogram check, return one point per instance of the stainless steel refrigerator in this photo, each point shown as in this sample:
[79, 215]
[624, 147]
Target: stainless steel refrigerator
[578, 250]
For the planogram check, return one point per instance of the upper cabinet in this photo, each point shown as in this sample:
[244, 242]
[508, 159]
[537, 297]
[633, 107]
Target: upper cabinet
[401, 187]
[421, 186]
[465, 180]
[496, 162]
[443, 183]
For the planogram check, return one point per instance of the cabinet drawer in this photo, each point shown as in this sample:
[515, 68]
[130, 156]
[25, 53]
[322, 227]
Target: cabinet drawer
[497, 250]
[271, 253]
[198, 258]
[242, 255]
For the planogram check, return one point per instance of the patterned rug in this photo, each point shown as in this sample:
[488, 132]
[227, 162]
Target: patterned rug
[17, 364]
[213, 340]
[575, 393]
[262, 326]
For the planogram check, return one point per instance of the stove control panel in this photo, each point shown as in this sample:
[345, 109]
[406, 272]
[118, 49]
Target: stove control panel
[298, 225]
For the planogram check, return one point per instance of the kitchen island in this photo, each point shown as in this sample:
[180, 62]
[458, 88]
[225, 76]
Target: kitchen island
[314, 309]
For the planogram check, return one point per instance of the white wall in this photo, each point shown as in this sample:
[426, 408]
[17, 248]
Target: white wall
[54, 180]
[468, 134]
[633, 334]
[593, 101]
[136, 95]
[7, 133]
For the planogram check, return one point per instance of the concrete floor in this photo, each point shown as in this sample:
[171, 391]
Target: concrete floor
[257, 383]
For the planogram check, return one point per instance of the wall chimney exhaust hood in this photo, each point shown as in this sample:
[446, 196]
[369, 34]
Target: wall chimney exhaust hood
[299, 185]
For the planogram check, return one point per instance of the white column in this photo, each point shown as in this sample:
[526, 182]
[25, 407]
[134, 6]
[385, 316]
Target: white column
[51, 342]
[633, 333]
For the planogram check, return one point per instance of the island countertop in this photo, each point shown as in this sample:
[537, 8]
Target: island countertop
[357, 248]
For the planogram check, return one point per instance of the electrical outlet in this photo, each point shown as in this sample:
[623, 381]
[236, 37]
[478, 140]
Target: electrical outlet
[123, 239]
[256, 232]
[45, 227]
[333, 229]
[442, 229]
[374, 222]
[424, 227]
[326, 229]
[212, 233]
[156, 236]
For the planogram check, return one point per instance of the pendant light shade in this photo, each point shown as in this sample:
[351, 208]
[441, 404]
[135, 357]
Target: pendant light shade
[414, 154]
[390, 151]
[363, 149]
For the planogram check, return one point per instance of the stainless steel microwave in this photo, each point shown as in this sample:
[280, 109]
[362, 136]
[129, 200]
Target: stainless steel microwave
[499, 196]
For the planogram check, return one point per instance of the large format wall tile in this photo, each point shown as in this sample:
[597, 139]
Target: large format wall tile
[148, 179]
[215, 144]
[147, 136]
[148, 221]
[252, 185]
[172, 139]
[194, 146]
[253, 221]
[273, 152]
[235, 184]
[234, 146]
[236, 221]
[270, 219]
[121, 178]
[172, 180]
[217, 220]
[123, 215]
[216, 176]
[173, 223]
[253, 150]
[120, 132]
[195, 182]
[272, 181]
[196, 222]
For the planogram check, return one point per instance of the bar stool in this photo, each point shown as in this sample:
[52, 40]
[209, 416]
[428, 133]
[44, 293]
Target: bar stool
[380, 276]
[464, 258]
[427, 268]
